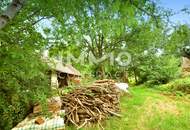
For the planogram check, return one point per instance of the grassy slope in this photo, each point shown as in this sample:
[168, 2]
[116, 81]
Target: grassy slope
[148, 109]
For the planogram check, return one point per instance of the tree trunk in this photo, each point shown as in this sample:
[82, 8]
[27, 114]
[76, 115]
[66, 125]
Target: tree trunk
[125, 76]
[101, 71]
[10, 12]
[136, 80]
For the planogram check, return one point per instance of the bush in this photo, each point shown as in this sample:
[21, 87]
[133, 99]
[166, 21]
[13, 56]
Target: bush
[163, 70]
[178, 86]
[22, 82]
[181, 85]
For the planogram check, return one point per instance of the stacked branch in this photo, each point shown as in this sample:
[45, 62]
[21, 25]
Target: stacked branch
[91, 104]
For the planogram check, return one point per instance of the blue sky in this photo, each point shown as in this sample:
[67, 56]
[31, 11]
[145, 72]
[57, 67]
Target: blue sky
[177, 5]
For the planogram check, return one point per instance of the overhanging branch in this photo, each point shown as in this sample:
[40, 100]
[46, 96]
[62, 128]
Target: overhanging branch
[155, 17]
[42, 18]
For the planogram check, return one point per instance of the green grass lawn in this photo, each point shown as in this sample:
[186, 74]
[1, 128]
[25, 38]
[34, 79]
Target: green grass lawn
[149, 109]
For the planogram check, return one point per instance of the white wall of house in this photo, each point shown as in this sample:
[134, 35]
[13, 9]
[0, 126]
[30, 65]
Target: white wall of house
[54, 81]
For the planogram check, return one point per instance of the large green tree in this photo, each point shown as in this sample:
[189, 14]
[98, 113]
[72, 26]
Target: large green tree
[101, 27]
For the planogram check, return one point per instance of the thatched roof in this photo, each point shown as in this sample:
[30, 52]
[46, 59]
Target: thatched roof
[69, 69]
[75, 71]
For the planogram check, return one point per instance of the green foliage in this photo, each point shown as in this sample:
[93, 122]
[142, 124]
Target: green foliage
[178, 39]
[66, 90]
[164, 69]
[23, 82]
[179, 86]
[155, 70]
[102, 27]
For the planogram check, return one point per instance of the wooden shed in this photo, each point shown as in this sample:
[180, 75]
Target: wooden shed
[62, 75]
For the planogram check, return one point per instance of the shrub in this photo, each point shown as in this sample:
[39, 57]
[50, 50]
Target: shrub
[181, 85]
[22, 82]
[163, 70]
[178, 86]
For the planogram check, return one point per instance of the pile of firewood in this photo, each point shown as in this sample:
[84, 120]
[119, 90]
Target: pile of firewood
[91, 104]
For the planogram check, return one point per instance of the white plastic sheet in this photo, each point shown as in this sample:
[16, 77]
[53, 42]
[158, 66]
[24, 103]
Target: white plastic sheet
[122, 86]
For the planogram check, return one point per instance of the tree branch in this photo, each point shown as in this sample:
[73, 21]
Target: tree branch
[89, 47]
[155, 17]
[42, 18]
